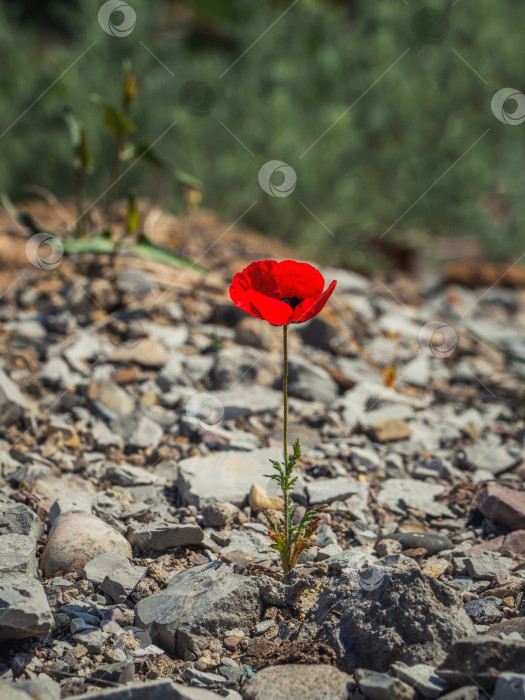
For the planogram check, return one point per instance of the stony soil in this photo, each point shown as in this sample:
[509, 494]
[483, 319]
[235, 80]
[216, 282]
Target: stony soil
[138, 412]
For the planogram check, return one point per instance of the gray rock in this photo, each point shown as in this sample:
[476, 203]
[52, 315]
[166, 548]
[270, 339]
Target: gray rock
[422, 678]
[93, 639]
[110, 399]
[9, 691]
[13, 403]
[495, 459]
[160, 536]
[309, 382]
[24, 609]
[17, 555]
[119, 672]
[432, 542]
[80, 502]
[401, 614]
[398, 411]
[126, 475]
[18, 519]
[224, 476]
[264, 626]
[218, 514]
[353, 559]
[400, 493]
[468, 692]
[161, 689]
[103, 564]
[199, 603]
[137, 430]
[298, 682]
[338, 489]
[120, 581]
[41, 687]
[56, 372]
[486, 566]
[239, 402]
[483, 611]
[134, 282]
[481, 659]
[510, 686]
[203, 679]
[381, 686]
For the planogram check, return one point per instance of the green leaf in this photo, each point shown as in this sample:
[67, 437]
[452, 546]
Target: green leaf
[115, 121]
[82, 159]
[97, 245]
[145, 153]
[147, 249]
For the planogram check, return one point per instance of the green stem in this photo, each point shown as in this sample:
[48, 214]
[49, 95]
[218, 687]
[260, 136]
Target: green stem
[286, 564]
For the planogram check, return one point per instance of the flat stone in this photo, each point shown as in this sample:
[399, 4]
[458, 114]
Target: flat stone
[481, 659]
[120, 581]
[161, 689]
[18, 555]
[81, 502]
[148, 352]
[13, 403]
[510, 686]
[486, 566]
[93, 639]
[297, 682]
[309, 382]
[160, 536]
[338, 489]
[516, 624]
[381, 686]
[468, 692]
[397, 494]
[390, 430]
[199, 604]
[110, 399]
[421, 678]
[24, 609]
[513, 543]
[225, 476]
[138, 431]
[75, 539]
[126, 475]
[119, 672]
[503, 505]
[239, 402]
[433, 543]
[496, 460]
[134, 282]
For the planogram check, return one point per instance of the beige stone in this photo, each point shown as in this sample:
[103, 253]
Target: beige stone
[148, 352]
[259, 498]
[390, 429]
[75, 539]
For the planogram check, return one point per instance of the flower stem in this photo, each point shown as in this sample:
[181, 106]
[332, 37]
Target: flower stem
[285, 439]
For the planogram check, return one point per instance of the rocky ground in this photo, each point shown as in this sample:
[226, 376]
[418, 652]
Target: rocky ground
[138, 412]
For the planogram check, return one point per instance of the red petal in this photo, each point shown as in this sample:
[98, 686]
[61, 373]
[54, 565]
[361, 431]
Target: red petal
[281, 279]
[309, 308]
[259, 305]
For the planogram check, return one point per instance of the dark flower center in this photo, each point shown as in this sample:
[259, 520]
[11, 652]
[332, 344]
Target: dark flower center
[292, 301]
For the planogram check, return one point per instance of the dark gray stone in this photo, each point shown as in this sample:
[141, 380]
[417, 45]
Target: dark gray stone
[510, 686]
[161, 536]
[481, 659]
[199, 604]
[120, 672]
[381, 686]
[24, 609]
[400, 614]
[433, 543]
[483, 611]
[162, 689]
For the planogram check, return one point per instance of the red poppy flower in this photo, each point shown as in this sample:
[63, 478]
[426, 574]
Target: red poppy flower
[280, 292]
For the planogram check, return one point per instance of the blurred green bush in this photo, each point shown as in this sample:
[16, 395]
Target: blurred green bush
[391, 132]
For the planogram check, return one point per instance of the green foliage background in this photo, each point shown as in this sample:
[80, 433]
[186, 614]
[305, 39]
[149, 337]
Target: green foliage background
[412, 127]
